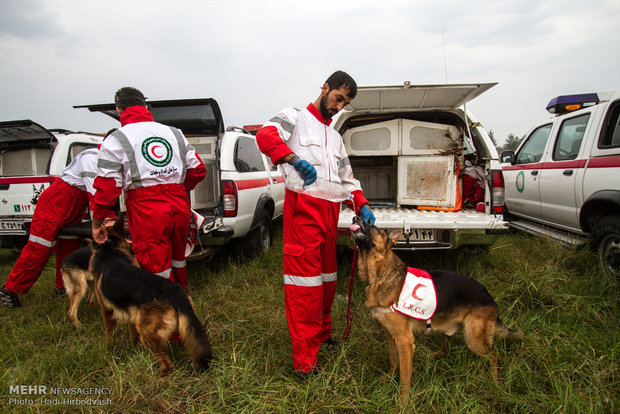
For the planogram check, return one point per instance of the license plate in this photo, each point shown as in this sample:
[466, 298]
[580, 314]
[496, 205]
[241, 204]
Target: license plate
[421, 235]
[11, 225]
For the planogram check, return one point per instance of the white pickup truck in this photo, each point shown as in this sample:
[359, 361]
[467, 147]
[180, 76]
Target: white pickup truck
[31, 157]
[242, 192]
[411, 147]
[564, 179]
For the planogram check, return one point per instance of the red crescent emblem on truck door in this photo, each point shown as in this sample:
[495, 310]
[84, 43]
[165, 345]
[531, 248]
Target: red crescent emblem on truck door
[415, 289]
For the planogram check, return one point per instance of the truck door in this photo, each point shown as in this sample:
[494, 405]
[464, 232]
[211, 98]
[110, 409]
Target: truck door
[522, 178]
[277, 186]
[558, 177]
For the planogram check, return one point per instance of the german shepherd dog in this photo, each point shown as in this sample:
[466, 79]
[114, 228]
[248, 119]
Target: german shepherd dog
[463, 304]
[78, 280]
[153, 307]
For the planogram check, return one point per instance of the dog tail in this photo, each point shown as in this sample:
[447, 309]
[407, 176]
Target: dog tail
[195, 338]
[505, 332]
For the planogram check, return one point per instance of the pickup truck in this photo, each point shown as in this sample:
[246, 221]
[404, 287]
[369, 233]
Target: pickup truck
[563, 180]
[240, 196]
[411, 148]
[31, 157]
[242, 193]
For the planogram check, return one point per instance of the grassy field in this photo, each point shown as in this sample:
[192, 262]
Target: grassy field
[567, 363]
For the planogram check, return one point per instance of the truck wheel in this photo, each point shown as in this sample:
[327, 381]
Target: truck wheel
[607, 236]
[259, 239]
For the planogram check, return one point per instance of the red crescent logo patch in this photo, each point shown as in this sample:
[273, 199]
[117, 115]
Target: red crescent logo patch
[415, 289]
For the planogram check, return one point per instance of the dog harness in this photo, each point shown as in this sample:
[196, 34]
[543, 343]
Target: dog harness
[417, 298]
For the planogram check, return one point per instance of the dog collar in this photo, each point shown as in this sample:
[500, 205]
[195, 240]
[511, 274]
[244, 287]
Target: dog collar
[379, 279]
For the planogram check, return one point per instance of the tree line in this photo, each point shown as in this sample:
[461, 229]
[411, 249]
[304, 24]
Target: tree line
[512, 142]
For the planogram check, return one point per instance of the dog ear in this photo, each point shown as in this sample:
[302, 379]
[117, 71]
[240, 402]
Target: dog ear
[395, 234]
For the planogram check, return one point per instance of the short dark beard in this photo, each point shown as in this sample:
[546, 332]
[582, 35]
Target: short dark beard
[323, 106]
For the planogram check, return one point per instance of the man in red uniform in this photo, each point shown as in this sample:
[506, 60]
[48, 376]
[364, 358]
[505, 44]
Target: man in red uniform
[303, 143]
[156, 167]
[62, 204]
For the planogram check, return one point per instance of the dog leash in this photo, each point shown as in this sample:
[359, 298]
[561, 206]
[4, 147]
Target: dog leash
[347, 329]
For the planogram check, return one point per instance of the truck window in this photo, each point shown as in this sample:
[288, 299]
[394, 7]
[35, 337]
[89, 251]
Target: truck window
[75, 149]
[569, 138]
[610, 136]
[247, 156]
[534, 147]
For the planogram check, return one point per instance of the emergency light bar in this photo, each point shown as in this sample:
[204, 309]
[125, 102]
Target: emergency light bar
[568, 103]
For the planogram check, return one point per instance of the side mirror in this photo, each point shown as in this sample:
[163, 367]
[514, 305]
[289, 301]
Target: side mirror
[508, 156]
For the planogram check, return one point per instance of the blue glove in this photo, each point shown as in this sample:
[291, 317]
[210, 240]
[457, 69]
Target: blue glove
[367, 215]
[307, 171]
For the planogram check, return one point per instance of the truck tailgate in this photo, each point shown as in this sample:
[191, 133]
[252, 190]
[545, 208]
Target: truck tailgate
[423, 219]
[429, 230]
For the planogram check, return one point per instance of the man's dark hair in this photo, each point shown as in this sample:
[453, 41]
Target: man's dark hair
[339, 79]
[128, 96]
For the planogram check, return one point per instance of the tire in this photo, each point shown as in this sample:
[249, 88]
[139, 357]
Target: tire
[606, 234]
[259, 238]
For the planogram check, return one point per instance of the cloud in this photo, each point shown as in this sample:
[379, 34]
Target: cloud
[256, 57]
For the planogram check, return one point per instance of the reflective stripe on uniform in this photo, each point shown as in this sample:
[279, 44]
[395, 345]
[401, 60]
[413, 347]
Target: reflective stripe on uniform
[42, 241]
[110, 165]
[287, 126]
[136, 180]
[308, 281]
[88, 174]
[182, 149]
[179, 264]
[329, 277]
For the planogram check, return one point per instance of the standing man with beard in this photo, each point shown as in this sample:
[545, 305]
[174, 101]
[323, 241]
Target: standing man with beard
[304, 143]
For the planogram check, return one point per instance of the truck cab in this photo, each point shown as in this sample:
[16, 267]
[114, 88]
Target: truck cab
[562, 181]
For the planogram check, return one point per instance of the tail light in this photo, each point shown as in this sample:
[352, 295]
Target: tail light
[497, 181]
[230, 198]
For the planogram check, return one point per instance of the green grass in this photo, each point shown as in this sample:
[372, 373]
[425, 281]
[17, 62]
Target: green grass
[567, 363]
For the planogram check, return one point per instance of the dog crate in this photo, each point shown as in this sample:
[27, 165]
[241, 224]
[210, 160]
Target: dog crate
[381, 138]
[377, 176]
[426, 138]
[407, 162]
[206, 193]
[426, 180]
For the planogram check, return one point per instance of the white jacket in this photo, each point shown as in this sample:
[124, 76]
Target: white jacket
[317, 143]
[135, 161]
[82, 171]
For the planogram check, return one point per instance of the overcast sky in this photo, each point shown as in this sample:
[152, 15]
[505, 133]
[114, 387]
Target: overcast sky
[257, 57]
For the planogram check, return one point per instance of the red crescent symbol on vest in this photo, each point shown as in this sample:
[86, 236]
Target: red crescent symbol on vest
[153, 151]
[415, 289]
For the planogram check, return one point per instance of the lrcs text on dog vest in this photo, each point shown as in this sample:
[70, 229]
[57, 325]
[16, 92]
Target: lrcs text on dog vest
[418, 298]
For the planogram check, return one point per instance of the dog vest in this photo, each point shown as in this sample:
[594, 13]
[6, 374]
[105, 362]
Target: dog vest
[418, 298]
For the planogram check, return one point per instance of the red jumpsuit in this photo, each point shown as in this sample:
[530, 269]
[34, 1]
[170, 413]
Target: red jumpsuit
[156, 167]
[62, 204]
[310, 225]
